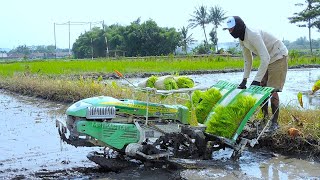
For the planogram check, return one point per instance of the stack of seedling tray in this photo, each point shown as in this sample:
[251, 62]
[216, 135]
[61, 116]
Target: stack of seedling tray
[230, 105]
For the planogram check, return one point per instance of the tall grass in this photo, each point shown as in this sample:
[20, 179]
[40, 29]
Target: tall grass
[68, 91]
[306, 121]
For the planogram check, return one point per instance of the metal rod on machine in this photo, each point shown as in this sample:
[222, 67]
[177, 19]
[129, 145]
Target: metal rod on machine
[120, 75]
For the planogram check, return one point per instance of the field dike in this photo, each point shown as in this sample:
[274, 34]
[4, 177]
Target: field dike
[304, 142]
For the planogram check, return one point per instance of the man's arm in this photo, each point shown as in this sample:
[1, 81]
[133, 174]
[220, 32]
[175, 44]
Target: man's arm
[247, 55]
[259, 45]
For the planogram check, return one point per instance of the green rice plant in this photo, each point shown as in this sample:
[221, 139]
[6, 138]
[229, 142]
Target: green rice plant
[226, 119]
[170, 84]
[151, 81]
[184, 82]
[63, 67]
[166, 83]
[293, 54]
[204, 101]
[208, 99]
[195, 97]
[76, 67]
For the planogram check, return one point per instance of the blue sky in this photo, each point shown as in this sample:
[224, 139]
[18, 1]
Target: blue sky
[32, 22]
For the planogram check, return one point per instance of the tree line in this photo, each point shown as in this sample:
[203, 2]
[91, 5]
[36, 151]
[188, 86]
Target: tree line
[137, 39]
[147, 38]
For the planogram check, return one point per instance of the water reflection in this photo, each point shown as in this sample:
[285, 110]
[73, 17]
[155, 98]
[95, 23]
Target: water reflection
[257, 165]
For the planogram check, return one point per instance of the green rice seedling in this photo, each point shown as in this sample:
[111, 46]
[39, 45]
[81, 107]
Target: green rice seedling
[203, 101]
[151, 81]
[226, 119]
[208, 99]
[195, 98]
[184, 82]
[166, 83]
[170, 84]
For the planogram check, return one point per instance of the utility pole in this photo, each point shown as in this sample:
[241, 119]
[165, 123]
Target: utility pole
[55, 41]
[69, 23]
[69, 41]
[106, 39]
[91, 44]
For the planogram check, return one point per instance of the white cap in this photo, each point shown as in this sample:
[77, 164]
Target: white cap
[231, 22]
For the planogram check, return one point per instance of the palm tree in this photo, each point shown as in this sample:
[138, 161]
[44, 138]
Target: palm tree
[317, 25]
[308, 16]
[216, 16]
[186, 40]
[200, 18]
[214, 38]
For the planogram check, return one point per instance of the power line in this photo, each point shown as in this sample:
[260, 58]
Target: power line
[80, 23]
[69, 24]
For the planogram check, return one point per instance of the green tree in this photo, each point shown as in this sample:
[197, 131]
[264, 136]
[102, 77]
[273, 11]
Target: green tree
[157, 40]
[200, 49]
[214, 38]
[308, 16]
[90, 44]
[216, 16]
[23, 49]
[114, 34]
[186, 39]
[200, 18]
[146, 39]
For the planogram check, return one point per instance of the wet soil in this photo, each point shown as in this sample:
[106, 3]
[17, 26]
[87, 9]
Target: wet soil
[298, 147]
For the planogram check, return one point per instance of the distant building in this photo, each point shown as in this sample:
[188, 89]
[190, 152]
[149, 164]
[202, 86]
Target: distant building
[3, 55]
[15, 56]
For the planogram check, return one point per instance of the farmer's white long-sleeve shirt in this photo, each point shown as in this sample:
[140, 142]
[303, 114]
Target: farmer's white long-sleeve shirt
[263, 44]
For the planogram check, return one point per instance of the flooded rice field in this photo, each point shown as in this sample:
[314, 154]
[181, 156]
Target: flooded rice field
[30, 146]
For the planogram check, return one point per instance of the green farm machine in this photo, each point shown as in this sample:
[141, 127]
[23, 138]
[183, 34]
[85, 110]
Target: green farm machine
[146, 132]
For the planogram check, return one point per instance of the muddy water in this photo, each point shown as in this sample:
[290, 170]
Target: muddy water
[30, 147]
[29, 140]
[256, 165]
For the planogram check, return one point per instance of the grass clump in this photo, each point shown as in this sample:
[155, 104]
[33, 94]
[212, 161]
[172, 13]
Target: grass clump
[69, 91]
[226, 119]
[61, 90]
[307, 121]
